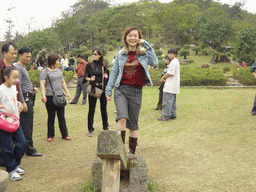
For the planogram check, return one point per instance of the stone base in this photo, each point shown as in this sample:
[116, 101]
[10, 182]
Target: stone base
[137, 180]
[4, 179]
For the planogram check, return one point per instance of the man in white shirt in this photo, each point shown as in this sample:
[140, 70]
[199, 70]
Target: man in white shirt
[171, 87]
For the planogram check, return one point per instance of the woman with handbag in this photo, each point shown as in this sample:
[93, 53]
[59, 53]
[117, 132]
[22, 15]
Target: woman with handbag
[129, 74]
[12, 139]
[96, 73]
[51, 80]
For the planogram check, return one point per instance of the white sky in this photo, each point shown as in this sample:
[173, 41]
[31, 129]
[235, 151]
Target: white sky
[28, 15]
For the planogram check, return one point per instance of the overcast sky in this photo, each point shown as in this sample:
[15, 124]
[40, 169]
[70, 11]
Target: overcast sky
[30, 14]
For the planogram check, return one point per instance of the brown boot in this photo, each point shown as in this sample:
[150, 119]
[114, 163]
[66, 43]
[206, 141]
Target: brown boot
[132, 145]
[123, 136]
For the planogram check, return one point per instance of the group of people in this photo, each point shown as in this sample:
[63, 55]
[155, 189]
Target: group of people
[128, 76]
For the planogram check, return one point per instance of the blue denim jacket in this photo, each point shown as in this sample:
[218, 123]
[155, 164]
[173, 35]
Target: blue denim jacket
[145, 57]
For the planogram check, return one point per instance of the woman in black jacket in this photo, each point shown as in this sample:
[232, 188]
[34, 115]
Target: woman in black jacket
[93, 74]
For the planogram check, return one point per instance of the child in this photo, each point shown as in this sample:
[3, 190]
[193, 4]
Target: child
[171, 87]
[160, 100]
[12, 145]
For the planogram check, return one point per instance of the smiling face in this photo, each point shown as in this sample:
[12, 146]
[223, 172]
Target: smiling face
[132, 39]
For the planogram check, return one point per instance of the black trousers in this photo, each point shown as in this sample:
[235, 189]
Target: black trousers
[103, 109]
[26, 122]
[51, 110]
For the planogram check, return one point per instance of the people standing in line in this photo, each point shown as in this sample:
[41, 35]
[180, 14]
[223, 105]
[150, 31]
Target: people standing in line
[13, 145]
[9, 51]
[53, 74]
[63, 63]
[160, 99]
[28, 92]
[81, 85]
[129, 74]
[93, 74]
[171, 87]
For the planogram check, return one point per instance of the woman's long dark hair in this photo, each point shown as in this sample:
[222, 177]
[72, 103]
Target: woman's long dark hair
[101, 60]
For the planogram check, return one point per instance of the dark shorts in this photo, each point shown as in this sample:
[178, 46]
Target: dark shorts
[128, 103]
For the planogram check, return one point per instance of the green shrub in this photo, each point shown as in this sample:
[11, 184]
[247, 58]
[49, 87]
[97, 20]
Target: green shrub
[245, 76]
[157, 46]
[155, 75]
[178, 48]
[34, 77]
[234, 58]
[67, 75]
[203, 77]
[184, 53]
[220, 49]
[216, 53]
[159, 58]
[186, 46]
[205, 52]
[171, 45]
[196, 49]
[158, 52]
[228, 53]
[202, 45]
[110, 48]
[161, 64]
[226, 68]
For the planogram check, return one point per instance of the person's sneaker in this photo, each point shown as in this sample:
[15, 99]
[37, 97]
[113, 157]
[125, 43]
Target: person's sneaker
[163, 119]
[90, 134]
[14, 176]
[253, 113]
[173, 117]
[20, 170]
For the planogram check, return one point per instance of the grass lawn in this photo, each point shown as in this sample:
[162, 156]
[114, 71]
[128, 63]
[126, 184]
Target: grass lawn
[209, 147]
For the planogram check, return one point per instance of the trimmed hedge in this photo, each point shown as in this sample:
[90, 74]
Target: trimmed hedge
[245, 76]
[34, 76]
[194, 77]
[203, 77]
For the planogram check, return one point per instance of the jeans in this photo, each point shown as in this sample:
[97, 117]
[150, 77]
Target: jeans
[51, 110]
[103, 109]
[13, 146]
[169, 105]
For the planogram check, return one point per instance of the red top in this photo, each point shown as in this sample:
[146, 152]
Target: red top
[81, 69]
[133, 73]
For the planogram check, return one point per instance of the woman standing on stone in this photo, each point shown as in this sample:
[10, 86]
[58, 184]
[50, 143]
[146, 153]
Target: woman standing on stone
[129, 74]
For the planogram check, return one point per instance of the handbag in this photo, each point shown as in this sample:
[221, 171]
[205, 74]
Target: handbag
[58, 100]
[9, 123]
[98, 92]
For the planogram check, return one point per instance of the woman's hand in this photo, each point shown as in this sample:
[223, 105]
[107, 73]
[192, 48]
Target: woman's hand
[92, 78]
[68, 96]
[44, 99]
[141, 41]
[105, 75]
[108, 97]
